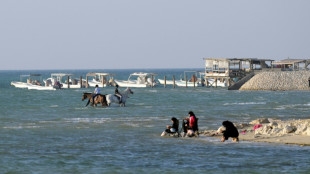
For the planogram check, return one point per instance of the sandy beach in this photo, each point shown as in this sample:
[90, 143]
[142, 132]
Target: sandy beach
[271, 131]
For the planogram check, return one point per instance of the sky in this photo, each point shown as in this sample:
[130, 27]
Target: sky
[132, 34]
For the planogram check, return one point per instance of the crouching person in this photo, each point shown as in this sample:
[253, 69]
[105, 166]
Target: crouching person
[173, 129]
[230, 131]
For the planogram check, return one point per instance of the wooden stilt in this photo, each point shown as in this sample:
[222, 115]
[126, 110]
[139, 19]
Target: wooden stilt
[165, 83]
[173, 82]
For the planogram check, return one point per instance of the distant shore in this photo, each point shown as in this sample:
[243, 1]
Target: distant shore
[271, 131]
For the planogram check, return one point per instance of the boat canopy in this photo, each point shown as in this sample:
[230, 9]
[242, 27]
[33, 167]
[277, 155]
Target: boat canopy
[100, 74]
[143, 74]
[61, 74]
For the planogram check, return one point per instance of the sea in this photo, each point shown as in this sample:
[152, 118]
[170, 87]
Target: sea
[54, 132]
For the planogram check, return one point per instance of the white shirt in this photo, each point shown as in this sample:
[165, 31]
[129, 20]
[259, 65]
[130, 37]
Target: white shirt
[97, 91]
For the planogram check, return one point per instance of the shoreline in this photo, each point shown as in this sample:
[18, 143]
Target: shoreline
[291, 132]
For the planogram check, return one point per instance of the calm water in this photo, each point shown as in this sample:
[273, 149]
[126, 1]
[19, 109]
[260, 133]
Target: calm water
[53, 131]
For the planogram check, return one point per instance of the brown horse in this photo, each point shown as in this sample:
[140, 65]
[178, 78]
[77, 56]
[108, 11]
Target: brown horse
[98, 99]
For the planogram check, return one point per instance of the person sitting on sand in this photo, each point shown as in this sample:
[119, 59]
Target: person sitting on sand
[190, 125]
[172, 129]
[175, 126]
[230, 131]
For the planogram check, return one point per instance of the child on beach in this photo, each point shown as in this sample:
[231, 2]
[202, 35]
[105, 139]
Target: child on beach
[230, 131]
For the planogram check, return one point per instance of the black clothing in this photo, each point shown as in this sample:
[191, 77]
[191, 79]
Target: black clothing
[175, 126]
[231, 130]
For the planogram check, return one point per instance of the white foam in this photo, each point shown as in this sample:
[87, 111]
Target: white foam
[53, 106]
[246, 103]
[86, 120]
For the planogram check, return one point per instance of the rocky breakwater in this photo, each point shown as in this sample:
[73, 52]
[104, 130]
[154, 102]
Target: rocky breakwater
[269, 127]
[271, 131]
[283, 80]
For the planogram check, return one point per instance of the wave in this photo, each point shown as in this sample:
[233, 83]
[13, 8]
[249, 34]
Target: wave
[53, 106]
[246, 103]
[293, 106]
[21, 127]
[87, 120]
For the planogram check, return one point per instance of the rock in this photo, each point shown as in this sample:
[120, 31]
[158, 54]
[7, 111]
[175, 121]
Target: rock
[308, 131]
[259, 121]
[273, 124]
[163, 134]
[283, 80]
[289, 129]
[301, 129]
[276, 131]
[221, 129]
[242, 125]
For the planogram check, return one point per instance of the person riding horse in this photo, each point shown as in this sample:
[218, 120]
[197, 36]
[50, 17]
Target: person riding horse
[96, 92]
[118, 94]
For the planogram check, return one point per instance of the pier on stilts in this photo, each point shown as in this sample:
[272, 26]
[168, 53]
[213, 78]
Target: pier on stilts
[232, 72]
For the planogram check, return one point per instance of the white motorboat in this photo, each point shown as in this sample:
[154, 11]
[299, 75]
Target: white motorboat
[142, 80]
[100, 79]
[30, 81]
[193, 81]
[189, 83]
[168, 82]
[38, 87]
[17, 84]
[219, 83]
[60, 80]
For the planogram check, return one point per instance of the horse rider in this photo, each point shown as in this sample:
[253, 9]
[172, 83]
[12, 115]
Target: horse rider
[96, 92]
[118, 94]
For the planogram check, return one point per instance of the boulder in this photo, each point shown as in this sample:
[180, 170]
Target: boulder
[273, 124]
[301, 129]
[276, 131]
[260, 121]
[308, 131]
[289, 129]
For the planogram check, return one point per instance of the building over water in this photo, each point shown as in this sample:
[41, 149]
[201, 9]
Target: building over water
[232, 70]
[292, 64]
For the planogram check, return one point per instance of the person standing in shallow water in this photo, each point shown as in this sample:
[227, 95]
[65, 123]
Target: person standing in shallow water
[230, 131]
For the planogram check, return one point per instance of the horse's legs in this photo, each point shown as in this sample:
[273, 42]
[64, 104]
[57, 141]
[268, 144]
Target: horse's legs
[88, 102]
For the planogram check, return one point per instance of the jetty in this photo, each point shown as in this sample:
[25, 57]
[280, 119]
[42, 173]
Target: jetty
[258, 74]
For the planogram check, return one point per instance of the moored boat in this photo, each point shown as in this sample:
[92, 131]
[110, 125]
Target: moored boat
[100, 79]
[60, 80]
[143, 80]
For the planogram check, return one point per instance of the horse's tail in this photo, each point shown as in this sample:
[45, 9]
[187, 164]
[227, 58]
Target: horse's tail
[104, 100]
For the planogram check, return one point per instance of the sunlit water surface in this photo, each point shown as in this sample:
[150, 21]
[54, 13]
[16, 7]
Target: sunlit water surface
[53, 131]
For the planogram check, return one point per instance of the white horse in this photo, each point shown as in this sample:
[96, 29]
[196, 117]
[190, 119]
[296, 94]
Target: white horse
[111, 98]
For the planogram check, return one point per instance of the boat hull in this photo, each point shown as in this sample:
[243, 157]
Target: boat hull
[20, 84]
[168, 82]
[132, 84]
[189, 84]
[37, 87]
